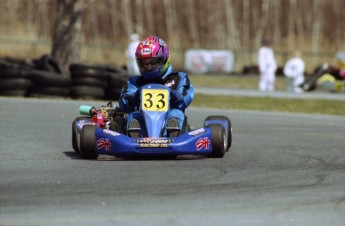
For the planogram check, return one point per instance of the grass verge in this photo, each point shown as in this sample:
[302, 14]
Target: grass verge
[234, 81]
[313, 106]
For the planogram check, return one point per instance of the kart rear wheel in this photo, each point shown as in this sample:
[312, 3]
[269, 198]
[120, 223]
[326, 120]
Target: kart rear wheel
[228, 130]
[88, 142]
[218, 140]
[74, 132]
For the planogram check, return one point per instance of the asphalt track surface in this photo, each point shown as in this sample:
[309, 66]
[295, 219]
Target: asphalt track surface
[283, 169]
[276, 94]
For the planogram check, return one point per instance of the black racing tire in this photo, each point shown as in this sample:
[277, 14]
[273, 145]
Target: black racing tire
[14, 83]
[14, 92]
[46, 78]
[85, 67]
[228, 132]
[87, 92]
[74, 133]
[74, 137]
[9, 71]
[114, 69]
[97, 67]
[218, 144]
[14, 72]
[5, 64]
[47, 63]
[90, 73]
[88, 142]
[89, 81]
[49, 90]
[118, 80]
[25, 64]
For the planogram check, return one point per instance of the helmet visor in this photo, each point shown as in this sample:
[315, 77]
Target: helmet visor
[150, 64]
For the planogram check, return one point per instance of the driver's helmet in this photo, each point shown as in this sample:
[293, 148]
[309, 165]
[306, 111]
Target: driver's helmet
[152, 57]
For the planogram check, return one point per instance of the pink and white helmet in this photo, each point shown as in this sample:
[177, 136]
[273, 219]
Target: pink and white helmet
[152, 57]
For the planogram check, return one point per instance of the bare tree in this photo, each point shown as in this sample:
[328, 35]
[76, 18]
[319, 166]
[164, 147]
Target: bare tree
[66, 38]
[276, 27]
[128, 17]
[246, 20]
[139, 26]
[231, 26]
[316, 27]
[262, 27]
[291, 23]
[150, 18]
[192, 23]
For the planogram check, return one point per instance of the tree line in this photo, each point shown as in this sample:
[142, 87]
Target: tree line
[314, 27]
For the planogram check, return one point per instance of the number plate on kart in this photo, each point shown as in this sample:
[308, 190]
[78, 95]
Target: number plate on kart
[154, 100]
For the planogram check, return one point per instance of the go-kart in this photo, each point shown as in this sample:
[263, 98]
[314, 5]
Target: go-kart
[102, 131]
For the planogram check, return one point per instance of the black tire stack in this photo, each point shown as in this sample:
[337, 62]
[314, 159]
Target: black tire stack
[91, 81]
[43, 78]
[48, 79]
[14, 77]
[117, 78]
[46, 84]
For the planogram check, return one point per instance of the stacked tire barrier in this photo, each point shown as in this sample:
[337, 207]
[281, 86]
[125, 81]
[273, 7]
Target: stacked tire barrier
[40, 77]
[96, 81]
[48, 81]
[15, 80]
[43, 78]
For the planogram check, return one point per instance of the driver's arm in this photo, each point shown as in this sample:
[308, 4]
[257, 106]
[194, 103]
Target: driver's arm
[126, 100]
[184, 94]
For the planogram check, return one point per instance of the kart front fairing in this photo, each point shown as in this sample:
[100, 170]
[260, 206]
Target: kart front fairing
[195, 142]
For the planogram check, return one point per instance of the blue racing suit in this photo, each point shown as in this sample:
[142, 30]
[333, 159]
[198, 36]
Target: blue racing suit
[181, 94]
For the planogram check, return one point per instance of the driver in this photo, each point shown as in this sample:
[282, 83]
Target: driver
[153, 59]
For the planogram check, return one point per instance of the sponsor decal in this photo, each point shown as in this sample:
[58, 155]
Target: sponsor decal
[169, 84]
[145, 51]
[153, 143]
[103, 143]
[202, 142]
[197, 132]
[110, 132]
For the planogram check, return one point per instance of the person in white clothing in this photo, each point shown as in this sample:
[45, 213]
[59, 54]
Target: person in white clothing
[294, 71]
[267, 66]
[132, 67]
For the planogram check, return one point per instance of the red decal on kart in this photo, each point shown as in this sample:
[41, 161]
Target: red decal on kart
[103, 143]
[202, 142]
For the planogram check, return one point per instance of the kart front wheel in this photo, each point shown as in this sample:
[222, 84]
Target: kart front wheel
[218, 141]
[228, 128]
[74, 132]
[88, 142]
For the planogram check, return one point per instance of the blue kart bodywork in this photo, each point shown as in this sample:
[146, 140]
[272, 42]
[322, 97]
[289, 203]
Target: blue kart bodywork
[207, 141]
[191, 143]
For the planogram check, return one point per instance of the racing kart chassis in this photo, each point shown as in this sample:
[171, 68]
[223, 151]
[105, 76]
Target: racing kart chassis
[94, 135]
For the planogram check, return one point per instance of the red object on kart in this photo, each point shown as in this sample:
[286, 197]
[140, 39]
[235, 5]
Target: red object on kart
[98, 118]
